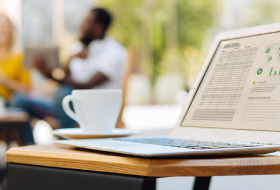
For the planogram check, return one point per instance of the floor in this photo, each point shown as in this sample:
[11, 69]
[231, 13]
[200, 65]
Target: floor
[268, 182]
[163, 117]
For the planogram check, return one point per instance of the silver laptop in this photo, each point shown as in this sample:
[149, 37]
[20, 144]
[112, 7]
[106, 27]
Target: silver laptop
[233, 107]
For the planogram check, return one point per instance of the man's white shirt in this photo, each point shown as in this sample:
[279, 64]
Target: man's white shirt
[106, 56]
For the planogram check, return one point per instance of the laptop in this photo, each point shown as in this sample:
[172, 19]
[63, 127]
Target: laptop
[48, 51]
[233, 107]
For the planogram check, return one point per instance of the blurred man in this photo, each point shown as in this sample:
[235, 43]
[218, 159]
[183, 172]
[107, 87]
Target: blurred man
[97, 63]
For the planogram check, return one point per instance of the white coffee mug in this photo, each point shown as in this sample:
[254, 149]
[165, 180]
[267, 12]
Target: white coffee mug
[96, 111]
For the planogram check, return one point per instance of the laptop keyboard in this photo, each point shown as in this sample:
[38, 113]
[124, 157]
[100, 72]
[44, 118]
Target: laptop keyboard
[191, 144]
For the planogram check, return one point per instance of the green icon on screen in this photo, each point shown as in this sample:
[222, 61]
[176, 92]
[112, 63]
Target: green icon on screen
[271, 71]
[260, 70]
[269, 59]
[254, 82]
[268, 50]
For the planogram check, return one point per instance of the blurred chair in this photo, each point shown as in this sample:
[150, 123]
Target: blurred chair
[11, 124]
[127, 71]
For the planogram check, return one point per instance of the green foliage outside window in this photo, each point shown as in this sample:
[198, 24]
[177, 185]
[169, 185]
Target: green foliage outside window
[167, 35]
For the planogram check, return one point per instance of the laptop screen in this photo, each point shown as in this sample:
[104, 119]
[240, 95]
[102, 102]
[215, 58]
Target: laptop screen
[241, 87]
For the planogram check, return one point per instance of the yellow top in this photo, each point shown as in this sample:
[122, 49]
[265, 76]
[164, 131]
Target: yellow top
[12, 68]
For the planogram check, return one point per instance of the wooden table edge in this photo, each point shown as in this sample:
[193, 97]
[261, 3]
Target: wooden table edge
[113, 163]
[13, 155]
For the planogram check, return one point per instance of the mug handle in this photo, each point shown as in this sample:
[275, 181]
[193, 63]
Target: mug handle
[66, 107]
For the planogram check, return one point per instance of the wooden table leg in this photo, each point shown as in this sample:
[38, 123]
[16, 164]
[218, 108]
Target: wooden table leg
[202, 183]
[27, 177]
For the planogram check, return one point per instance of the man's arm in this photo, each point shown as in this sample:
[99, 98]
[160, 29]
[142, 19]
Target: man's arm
[95, 80]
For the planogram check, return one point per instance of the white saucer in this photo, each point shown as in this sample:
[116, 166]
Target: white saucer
[77, 133]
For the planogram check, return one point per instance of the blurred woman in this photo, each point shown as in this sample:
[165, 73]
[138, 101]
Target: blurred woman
[13, 77]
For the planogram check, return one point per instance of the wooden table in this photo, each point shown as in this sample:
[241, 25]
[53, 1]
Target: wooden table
[11, 121]
[60, 167]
